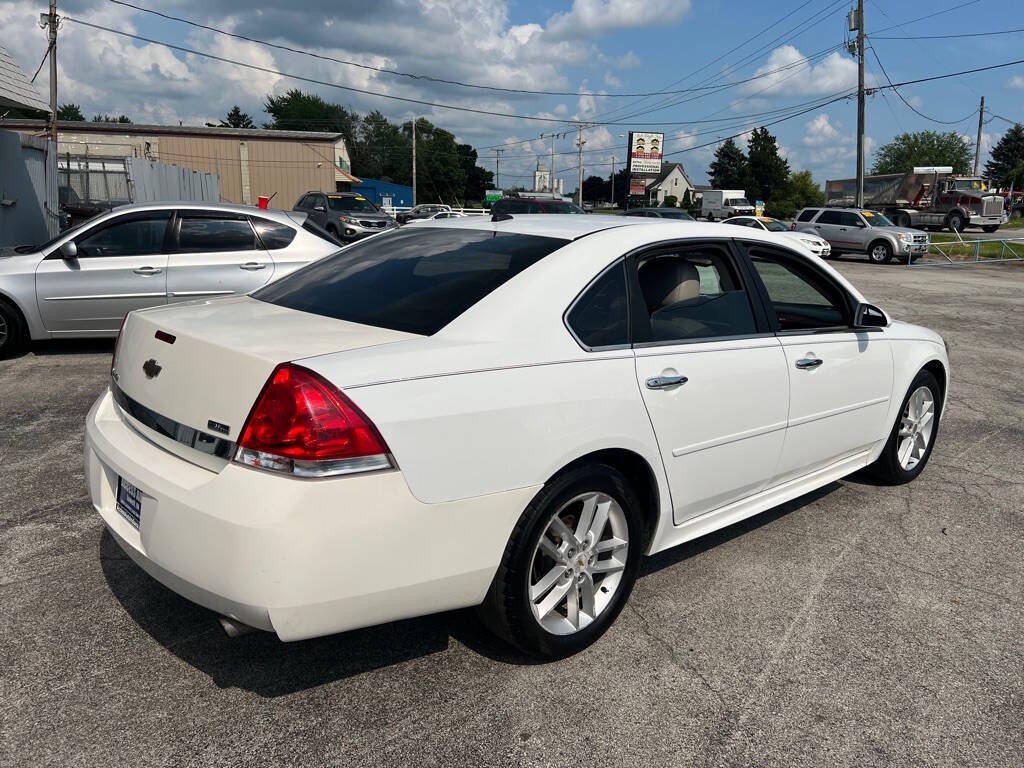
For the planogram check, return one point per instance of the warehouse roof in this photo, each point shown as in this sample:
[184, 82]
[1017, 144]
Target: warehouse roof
[79, 126]
[15, 88]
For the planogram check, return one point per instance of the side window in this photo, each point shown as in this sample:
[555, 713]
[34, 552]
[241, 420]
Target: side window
[303, 202]
[137, 236]
[850, 219]
[273, 235]
[808, 214]
[694, 294]
[830, 217]
[202, 234]
[600, 317]
[801, 298]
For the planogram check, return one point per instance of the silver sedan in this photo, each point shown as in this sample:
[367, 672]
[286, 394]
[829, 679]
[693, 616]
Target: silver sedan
[84, 281]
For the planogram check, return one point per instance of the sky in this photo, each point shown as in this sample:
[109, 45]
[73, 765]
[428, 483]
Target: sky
[734, 64]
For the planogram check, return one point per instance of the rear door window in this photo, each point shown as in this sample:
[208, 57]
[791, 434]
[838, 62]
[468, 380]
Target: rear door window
[808, 214]
[413, 280]
[830, 217]
[208, 234]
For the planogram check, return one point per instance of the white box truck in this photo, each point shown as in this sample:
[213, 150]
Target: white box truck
[725, 203]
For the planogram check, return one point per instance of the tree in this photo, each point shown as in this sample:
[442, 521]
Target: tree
[237, 119]
[1007, 161]
[801, 191]
[595, 188]
[769, 171]
[109, 119]
[729, 169]
[478, 180]
[621, 187]
[908, 150]
[298, 111]
[687, 200]
[70, 112]
[669, 201]
[439, 174]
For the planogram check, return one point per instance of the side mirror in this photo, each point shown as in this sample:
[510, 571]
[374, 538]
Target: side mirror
[69, 250]
[319, 208]
[869, 316]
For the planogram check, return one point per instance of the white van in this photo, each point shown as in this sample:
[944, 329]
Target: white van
[725, 203]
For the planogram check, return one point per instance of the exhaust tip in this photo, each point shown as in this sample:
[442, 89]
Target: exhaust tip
[233, 627]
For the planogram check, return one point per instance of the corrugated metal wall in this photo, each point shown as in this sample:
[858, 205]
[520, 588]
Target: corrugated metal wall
[28, 189]
[152, 182]
[288, 168]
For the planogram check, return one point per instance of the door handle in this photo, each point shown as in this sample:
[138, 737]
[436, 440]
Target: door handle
[664, 382]
[809, 362]
[147, 271]
[252, 266]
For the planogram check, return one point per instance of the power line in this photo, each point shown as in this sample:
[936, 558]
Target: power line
[911, 106]
[945, 37]
[957, 7]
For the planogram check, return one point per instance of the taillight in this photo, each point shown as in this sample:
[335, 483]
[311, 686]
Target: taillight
[303, 425]
[117, 345]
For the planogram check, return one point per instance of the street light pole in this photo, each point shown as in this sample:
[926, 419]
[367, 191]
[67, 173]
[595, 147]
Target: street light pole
[579, 192]
[52, 24]
[860, 103]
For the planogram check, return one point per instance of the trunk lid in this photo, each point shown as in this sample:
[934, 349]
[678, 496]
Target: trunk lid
[223, 351]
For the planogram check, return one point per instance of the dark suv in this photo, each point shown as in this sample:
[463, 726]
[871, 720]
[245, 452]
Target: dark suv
[533, 205]
[345, 215]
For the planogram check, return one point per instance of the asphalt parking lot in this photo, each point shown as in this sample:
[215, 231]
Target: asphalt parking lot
[859, 625]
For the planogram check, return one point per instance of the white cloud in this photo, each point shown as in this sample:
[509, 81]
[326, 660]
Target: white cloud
[612, 81]
[591, 18]
[792, 73]
[820, 131]
[1017, 81]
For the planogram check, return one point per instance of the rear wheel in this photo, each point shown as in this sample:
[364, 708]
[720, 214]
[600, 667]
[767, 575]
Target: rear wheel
[901, 220]
[12, 330]
[910, 443]
[880, 252]
[570, 563]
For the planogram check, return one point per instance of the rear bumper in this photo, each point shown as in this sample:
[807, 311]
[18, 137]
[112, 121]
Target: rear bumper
[301, 558]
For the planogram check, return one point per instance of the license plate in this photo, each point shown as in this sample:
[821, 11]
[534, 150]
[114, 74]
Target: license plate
[129, 501]
[919, 248]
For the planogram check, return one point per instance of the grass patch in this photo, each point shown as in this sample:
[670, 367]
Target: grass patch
[949, 246]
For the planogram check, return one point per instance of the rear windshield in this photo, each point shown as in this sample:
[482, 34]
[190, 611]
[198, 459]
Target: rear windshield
[413, 280]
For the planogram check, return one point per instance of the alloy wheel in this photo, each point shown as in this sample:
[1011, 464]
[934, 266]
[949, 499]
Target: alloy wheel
[879, 253]
[916, 428]
[3, 331]
[578, 563]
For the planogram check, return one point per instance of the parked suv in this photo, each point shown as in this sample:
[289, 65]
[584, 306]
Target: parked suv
[858, 230]
[345, 215]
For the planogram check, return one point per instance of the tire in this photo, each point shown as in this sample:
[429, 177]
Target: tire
[888, 467]
[12, 330]
[956, 222]
[880, 252]
[990, 228]
[902, 220]
[710, 217]
[508, 611]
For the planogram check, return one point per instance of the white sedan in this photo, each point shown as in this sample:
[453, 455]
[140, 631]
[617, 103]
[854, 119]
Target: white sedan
[506, 414]
[816, 245]
[440, 215]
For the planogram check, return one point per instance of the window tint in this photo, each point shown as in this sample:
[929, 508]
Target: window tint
[272, 234]
[138, 236]
[303, 202]
[808, 214]
[599, 317]
[830, 217]
[694, 294]
[849, 219]
[197, 234]
[801, 297]
[349, 203]
[416, 279]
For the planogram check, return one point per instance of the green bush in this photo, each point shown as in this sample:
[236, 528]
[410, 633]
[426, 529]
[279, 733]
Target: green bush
[669, 201]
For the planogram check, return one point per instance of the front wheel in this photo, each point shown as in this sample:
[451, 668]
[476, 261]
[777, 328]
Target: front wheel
[956, 222]
[12, 330]
[569, 565]
[990, 228]
[880, 252]
[910, 443]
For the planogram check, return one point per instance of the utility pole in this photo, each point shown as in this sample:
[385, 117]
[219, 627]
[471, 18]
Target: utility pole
[414, 161]
[52, 24]
[497, 167]
[613, 181]
[551, 177]
[579, 192]
[860, 103]
[977, 147]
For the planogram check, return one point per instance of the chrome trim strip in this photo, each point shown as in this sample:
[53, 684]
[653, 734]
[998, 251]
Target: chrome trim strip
[108, 296]
[714, 443]
[201, 441]
[199, 293]
[837, 411]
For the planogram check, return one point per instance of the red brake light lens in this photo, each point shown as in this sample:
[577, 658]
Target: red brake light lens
[303, 425]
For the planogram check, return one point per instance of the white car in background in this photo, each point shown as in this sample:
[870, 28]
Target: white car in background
[506, 414]
[817, 245]
[438, 216]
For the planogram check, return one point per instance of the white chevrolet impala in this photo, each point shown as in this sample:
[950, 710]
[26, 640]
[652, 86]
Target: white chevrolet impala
[506, 414]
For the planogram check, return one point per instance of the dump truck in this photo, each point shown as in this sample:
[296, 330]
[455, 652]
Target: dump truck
[925, 197]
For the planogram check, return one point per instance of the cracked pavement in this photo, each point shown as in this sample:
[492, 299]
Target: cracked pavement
[857, 625]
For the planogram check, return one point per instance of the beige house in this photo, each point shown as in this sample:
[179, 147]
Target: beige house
[671, 181]
[250, 162]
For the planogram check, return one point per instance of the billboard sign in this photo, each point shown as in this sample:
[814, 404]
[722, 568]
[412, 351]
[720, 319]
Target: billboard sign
[645, 151]
[493, 195]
